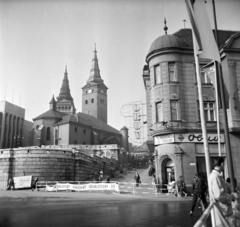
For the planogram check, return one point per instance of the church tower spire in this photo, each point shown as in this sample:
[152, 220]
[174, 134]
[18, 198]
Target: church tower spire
[65, 90]
[95, 71]
[94, 96]
[64, 100]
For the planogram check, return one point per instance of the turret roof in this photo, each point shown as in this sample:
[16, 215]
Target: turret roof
[65, 90]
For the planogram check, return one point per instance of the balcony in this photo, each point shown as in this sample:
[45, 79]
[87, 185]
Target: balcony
[180, 127]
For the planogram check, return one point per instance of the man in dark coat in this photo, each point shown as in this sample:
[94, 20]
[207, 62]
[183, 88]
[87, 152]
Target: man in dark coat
[198, 192]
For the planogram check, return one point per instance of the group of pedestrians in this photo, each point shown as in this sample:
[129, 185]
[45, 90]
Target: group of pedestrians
[227, 207]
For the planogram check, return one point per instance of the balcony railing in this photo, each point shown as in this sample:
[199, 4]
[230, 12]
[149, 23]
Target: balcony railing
[181, 125]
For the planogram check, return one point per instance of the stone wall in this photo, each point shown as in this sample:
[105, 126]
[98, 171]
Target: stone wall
[51, 164]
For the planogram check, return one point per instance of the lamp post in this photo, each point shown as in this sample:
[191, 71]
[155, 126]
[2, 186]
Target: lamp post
[156, 165]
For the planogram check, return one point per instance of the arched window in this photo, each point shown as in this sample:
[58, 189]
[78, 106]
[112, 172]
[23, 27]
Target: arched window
[92, 100]
[48, 134]
[86, 102]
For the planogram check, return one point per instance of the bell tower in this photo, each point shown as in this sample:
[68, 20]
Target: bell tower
[94, 93]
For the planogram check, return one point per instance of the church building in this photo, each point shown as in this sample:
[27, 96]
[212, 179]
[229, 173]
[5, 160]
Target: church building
[61, 125]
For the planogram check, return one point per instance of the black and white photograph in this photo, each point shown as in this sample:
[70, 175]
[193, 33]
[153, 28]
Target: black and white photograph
[120, 113]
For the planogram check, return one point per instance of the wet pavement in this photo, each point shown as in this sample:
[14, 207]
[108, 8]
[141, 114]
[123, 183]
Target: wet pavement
[26, 208]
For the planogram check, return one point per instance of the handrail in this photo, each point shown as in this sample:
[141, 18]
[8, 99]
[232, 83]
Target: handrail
[202, 220]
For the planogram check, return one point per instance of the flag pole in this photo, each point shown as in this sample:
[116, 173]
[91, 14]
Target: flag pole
[217, 110]
[225, 122]
[203, 124]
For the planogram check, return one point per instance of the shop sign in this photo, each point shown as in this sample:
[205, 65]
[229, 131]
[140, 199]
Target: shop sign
[192, 164]
[164, 139]
[197, 138]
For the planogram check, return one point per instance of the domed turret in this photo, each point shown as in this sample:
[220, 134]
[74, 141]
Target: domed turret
[166, 41]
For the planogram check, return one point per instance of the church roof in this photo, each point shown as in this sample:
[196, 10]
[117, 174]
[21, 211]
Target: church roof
[52, 100]
[50, 114]
[89, 120]
[65, 90]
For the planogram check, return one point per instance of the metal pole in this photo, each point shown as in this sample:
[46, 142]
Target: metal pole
[225, 122]
[204, 129]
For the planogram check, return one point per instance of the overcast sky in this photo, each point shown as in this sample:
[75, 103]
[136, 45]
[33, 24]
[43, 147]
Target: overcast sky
[38, 38]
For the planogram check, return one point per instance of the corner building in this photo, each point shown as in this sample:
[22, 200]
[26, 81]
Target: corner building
[173, 115]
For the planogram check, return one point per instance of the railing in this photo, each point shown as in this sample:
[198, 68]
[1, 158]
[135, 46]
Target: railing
[181, 125]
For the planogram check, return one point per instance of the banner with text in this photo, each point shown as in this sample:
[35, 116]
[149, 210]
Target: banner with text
[22, 182]
[83, 187]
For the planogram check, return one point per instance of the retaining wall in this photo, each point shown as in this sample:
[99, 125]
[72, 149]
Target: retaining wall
[51, 164]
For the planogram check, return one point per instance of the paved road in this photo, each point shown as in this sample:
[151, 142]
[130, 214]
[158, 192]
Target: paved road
[49, 209]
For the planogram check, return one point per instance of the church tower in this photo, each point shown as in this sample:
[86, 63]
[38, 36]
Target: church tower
[64, 100]
[94, 93]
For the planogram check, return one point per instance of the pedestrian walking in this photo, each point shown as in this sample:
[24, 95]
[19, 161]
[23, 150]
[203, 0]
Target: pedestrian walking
[198, 193]
[34, 185]
[100, 176]
[181, 187]
[108, 179]
[137, 179]
[220, 194]
[10, 184]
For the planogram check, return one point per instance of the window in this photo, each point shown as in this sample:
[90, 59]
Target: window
[171, 72]
[209, 111]
[205, 78]
[84, 131]
[75, 141]
[56, 136]
[86, 102]
[174, 110]
[92, 100]
[157, 74]
[90, 91]
[75, 129]
[48, 133]
[102, 101]
[159, 112]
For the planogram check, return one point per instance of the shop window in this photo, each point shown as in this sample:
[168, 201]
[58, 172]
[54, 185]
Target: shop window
[174, 110]
[159, 112]
[157, 74]
[171, 72]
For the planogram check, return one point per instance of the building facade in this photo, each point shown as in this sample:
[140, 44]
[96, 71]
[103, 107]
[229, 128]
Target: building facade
[13, 126]
[173, 105]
